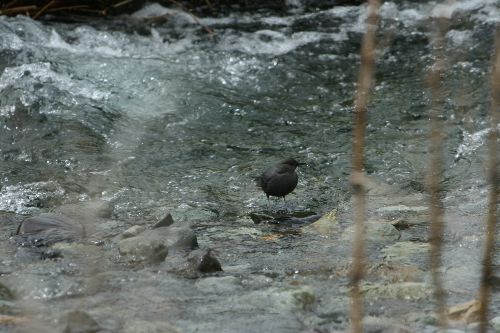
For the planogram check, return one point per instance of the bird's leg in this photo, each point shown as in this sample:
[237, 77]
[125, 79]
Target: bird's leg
[268, 202]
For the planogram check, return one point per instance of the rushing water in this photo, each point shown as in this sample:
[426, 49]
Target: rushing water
[170, 118]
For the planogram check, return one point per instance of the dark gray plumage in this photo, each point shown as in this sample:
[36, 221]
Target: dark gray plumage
[279, 180]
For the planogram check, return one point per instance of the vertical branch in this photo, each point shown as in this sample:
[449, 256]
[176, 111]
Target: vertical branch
[485, 287]
[436, 169]
[365, 79]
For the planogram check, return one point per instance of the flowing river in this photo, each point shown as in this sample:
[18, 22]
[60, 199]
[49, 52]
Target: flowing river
[161, 117]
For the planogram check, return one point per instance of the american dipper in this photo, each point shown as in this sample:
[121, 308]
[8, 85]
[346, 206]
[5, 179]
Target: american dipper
[280, 179]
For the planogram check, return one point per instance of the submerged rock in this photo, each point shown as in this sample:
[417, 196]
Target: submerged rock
[6, 298]
[178, 237]
[375, 232]
[495, 322]
[327, 225]
[468, 311]
[405, 251]
[143, 326]
[5, 293]
[193, 265]
[87, 210]
[143, 248]
[397, 272]
[279, 300]
[80, 322]
[381, 324]
[47, 229]
[189, 213]
[204, 261]
[218, 285]
[153, 245]
[402, 290]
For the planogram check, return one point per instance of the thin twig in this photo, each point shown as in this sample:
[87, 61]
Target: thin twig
[16, 10]
[70, 8]
[435, 172]
[365, 79]
[121, 3]
[489, 246]
[195, 18]
[42, 10]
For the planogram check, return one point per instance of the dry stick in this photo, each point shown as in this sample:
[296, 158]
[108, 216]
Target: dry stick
[121, 3]
[42, 10]
[435, 172]
[365, 79]
[489, 246]
[16, 10]
[60, 9]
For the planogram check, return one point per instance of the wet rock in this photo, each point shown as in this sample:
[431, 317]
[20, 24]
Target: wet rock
[87, 210]
[175, 237]
[153, 245]
[164, 222]
[5, 293]
[376, 187]
[327, 225]
[378, 324]
[143, 326]
[193, 265]
[402, 290]
[374, 232]
[468, 311]
[397, 273]
[8, 308]
[148, 248]
[47, 229]
[72, 250]
[218, 285]
[495, 323]
[6, 296]
[80, 322]
[473, 327]
[204, 261]
[133, 231]
[14, 320]
[450, 330]
[405, 251]
[252, 232]
[280, 300]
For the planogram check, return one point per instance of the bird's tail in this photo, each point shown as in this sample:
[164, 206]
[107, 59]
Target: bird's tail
[258, 181]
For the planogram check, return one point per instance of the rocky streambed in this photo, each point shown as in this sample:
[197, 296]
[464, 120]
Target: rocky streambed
[76, 269]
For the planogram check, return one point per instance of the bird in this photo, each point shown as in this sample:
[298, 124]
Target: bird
[279, 180]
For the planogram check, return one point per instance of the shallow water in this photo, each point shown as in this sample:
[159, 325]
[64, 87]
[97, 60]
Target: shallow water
[170, 118]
